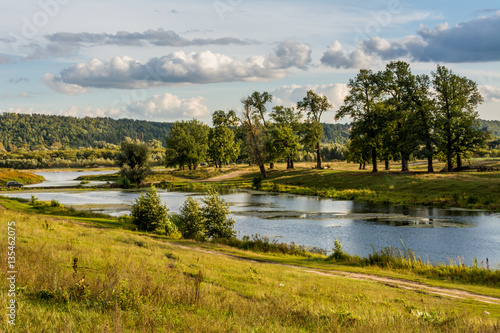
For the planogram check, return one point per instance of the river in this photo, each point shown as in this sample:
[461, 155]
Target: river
[432, 233]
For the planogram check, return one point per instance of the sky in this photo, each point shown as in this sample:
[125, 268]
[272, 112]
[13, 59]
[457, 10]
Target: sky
[179, 60]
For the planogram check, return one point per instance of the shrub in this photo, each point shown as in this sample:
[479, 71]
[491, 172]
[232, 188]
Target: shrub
[217, 224]
[55, 203]
[191, 222]
[257, 183]
[149, 214]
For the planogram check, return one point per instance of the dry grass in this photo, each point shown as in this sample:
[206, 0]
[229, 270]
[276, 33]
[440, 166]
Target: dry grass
[76, 278]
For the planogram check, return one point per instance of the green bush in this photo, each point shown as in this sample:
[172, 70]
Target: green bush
[191, 222]
[149, 214]
[215, 211]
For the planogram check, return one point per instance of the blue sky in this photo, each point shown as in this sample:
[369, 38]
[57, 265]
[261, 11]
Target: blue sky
[171, 60]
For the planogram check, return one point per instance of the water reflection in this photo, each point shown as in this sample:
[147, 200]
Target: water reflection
[433, 233]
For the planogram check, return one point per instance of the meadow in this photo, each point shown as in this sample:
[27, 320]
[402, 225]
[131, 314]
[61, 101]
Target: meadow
[92, 274]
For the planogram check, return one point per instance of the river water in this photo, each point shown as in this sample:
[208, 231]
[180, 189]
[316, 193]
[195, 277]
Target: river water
[432, 233]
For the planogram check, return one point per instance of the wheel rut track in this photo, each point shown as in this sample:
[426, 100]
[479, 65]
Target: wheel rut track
[391, 282]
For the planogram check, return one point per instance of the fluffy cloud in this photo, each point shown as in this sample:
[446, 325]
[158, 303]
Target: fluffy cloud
[490, 93]
[179, 68]
[477, 40]
[291, 54]
[290, 95]
[168, 107]
[336, 57]
[58, 85]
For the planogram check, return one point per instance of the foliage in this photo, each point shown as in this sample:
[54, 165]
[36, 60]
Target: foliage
[119, 274]
[457, 99]
[37, 131]
[191, 221]
[215, 211]
[22, 177]
[187, 144]
[314, 105]
[261, 244]
[396, 115]
[150, 214]
[222, 144]
[255, 128]
[133, 159]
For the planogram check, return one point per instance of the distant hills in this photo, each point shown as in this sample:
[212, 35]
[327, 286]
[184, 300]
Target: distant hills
[34, 131]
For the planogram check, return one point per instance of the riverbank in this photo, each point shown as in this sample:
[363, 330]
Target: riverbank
[23, 177]
[470, 190]
[76, 276]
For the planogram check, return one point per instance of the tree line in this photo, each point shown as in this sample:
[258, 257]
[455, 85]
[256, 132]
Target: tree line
[36, 131]
[395, 113]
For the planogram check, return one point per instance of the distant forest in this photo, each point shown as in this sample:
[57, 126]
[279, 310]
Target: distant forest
[36, 131]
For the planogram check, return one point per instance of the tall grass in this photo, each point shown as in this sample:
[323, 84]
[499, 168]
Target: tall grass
[404, 259]
[72, 278]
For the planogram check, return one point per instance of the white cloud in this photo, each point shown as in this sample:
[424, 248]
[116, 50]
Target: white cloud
[490, 93]
[179, 68]
[168, 107]
[73, 111]
[290, 95]
[336, 57]
[291, 54]
[477, 40]
[55, 82]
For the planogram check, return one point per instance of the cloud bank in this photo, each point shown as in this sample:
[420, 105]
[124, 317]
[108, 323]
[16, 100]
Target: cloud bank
[179, 68]
[477, 40]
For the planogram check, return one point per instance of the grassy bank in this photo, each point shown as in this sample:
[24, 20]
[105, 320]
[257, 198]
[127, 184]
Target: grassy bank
[73, 276]
[23, 177]
[474, 190]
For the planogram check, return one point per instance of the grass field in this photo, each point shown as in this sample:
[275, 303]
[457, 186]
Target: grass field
[95, 274]
[23, 177]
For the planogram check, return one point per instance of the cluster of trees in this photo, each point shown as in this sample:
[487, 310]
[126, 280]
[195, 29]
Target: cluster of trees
[36, 131]
[103, 154]
[193, 222]
[395, 113]
[256, 136]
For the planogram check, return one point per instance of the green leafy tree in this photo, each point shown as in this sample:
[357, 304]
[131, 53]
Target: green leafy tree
[133, 159]
[150, 214]
[400, 85]
[314, 105]
[283, 141]
[192, 221]
[187, 144]
[215, 211]
[255, 128]
[364, 104]
[222, 145]
[456, 101]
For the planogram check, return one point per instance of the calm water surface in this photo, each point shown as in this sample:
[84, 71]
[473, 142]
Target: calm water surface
[433, 233]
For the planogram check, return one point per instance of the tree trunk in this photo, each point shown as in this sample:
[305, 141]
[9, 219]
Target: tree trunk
[271, 165]
[459, 161]
[430, 167]
[360, 166]
[387, 166]
[450, 162]
[291, 163]
[262, 168]
[374, 159]
[404, 164]
[220, 165]
[288, 162]
[364, 165]
[318, 156]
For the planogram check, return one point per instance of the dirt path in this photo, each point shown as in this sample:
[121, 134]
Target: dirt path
[225, 176]
[392, 282]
